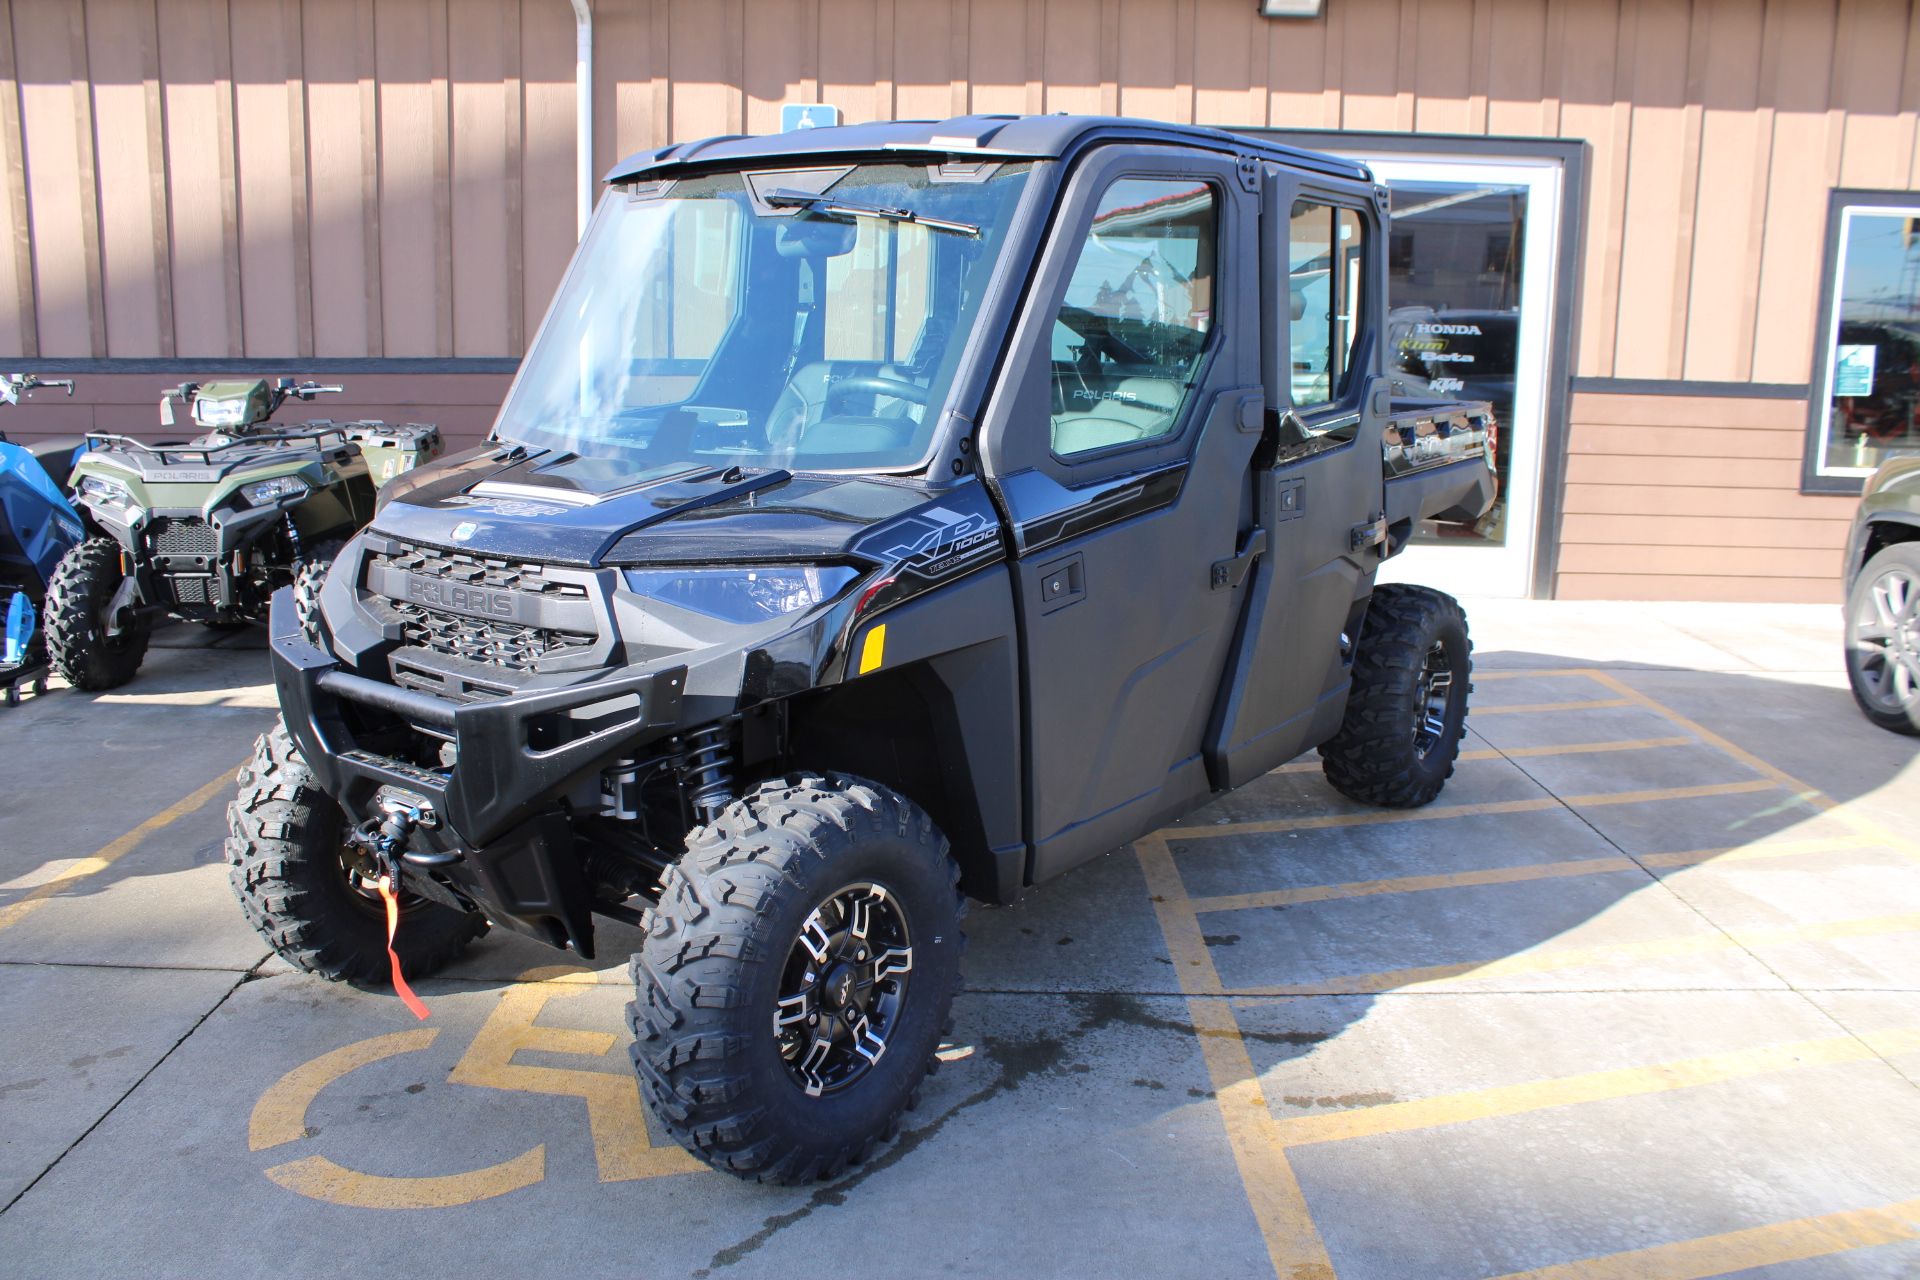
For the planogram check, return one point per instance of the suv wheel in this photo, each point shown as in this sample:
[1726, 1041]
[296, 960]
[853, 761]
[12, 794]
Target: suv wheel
[797, 978]
[309, 894]
[1883, 638]
[1407, 710]
[82, 586]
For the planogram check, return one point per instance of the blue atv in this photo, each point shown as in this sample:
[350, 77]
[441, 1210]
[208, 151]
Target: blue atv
[37, 527]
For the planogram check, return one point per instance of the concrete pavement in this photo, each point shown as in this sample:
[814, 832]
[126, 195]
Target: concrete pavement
[1635, 997]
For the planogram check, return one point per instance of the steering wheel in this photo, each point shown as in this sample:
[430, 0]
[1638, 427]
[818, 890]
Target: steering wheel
[865, 384]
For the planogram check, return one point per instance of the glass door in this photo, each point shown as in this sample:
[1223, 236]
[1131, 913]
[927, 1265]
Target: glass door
[1470, 275]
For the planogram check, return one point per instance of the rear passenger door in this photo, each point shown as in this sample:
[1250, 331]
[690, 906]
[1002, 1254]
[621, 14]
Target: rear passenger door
[1323, 492]
[1119, 439]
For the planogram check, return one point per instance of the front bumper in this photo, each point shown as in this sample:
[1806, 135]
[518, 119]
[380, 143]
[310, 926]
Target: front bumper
[502, 840]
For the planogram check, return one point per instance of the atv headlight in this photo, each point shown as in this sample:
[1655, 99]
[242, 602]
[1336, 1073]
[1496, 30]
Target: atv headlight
[227, 412]
[743, 594]
[262, 492]
[101, 489]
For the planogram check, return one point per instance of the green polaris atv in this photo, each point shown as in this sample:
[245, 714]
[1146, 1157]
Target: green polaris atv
[206, 530]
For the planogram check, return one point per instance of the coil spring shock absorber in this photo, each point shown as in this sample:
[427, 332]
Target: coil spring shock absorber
[706, 770]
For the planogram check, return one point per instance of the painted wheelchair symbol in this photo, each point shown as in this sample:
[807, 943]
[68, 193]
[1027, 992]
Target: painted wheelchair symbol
[622, 1148]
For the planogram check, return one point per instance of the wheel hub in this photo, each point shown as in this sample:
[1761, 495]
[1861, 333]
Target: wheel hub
[1435, 691]
[843, 988]
[1886, 641]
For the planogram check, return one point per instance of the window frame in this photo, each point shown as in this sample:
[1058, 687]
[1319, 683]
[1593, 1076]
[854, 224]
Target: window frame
[1182, 424]
[1841, 202]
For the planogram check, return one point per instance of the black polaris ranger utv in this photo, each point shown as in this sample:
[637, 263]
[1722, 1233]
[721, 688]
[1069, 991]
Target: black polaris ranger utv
[884, 516]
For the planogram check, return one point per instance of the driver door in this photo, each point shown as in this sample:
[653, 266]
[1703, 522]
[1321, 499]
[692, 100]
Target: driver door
[1119, 441]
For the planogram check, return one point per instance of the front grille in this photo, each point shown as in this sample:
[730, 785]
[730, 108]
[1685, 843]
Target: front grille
[477, 571]
[189, 590]
[177, 536]
[511, 645]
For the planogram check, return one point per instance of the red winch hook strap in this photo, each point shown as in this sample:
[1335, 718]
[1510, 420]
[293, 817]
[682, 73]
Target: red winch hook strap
[400, 987]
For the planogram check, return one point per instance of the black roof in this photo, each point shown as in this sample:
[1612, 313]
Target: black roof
[999, 137]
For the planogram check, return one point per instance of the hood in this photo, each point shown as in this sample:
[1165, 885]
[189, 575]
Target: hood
[566, 509]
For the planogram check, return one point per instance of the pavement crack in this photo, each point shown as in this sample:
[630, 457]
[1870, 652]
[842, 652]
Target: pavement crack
[102, 1118]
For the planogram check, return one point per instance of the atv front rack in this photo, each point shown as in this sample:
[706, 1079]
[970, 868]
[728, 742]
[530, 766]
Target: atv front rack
[166, 449]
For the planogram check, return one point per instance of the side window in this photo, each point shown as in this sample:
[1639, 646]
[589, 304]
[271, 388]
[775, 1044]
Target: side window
[1131, 331]
[1325, 258]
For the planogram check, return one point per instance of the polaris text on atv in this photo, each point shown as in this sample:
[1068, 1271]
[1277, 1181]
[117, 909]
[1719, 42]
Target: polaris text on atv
[883, 517]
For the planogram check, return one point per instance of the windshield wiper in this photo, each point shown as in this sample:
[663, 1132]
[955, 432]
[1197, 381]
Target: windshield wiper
[781, 198]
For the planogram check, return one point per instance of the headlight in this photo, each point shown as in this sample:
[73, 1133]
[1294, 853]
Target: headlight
[262, 492]
[742, 594]
[220, 413]
[101, 489]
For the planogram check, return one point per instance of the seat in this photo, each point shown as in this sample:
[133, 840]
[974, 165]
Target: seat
[802, 403]
[1131, 409]
[56, 456]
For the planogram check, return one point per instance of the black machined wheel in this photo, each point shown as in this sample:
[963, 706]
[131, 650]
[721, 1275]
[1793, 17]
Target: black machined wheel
[797, 977]
[1407, 709]
[1883, 638]
[1436, 700]
[843, 989]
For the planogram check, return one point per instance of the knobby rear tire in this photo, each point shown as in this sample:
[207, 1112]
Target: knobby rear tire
[1375, 758]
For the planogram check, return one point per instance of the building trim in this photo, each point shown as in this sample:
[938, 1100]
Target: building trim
[1690, 387]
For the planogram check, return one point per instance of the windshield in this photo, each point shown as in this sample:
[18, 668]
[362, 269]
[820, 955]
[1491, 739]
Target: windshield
[801, 318]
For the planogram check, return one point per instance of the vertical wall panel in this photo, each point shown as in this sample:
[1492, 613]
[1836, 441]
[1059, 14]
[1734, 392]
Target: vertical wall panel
[122, 62]
[997, 44]
[340, 196]
[1229, 64]
[780, 48]
[409, 233]
[477, 48]
[854, 58]
[1656, 63]
[1726, 241]
[1369, 63]
[1868, 63]
[1443, 66]
[1806, 144]
[58, 144]
[263, 63]
[196, 97]
[548, 201]
[924, 66]
[1076, 48]
[1301, 85]
[1516, 68]
[1585, 61]
[18, 331]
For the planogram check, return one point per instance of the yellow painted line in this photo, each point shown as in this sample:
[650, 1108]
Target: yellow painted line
[1549, 673]
[1413, 884]
[1527, 753]
[321, 1179]
[621, 1144]
[14, 912]
[1747, 1250]
[1738, 854]
[1807, 794]
[1759, 852]
[1593, 1086]
[1438, 812]
[1529, 708]
[1553, 959]
[281, 1114]
[1273, 1192]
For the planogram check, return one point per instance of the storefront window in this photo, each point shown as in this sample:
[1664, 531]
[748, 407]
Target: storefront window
[1453, 297]
[1866, 393]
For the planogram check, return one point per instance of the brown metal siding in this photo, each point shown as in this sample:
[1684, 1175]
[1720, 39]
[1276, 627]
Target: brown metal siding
[277, 179]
